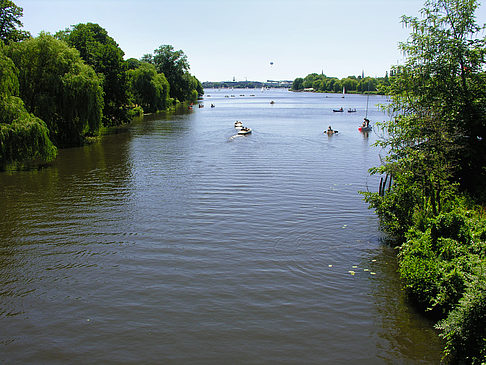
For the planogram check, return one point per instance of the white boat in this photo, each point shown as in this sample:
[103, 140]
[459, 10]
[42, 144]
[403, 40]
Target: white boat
[238, 124]
[244, 130]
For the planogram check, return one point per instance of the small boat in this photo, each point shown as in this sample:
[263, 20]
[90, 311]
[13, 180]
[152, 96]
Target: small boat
[340, 110]
[365, 129]
[212, 105]
[353, 110]
[238, 124]
[272, 102]
[244, 130]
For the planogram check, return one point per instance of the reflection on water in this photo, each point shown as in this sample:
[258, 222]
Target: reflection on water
[175, 241]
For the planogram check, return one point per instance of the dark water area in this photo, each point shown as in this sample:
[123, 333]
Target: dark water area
[177, 241]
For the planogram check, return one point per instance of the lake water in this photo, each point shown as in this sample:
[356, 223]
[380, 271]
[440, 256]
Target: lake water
[175, 241]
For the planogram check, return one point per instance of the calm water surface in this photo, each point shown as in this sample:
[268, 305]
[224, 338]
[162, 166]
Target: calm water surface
[176, 241]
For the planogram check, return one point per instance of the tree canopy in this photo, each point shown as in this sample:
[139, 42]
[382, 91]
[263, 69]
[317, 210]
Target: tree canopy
[100, 51]
[10, 15]
[24, 138]
[58, 87]
[149, 88]
[436, 169]
[174, 65]
[323, 83]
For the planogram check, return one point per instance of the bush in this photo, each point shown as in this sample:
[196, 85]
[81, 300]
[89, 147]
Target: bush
[465, 329]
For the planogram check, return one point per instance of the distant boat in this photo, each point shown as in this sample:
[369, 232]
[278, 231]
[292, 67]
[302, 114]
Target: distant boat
[244, 130]
[238, 124]
[340, 110]
[344, 92]
[352, 110]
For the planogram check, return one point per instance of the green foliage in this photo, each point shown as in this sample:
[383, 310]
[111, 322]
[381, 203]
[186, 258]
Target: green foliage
[436, 153]
[100, 51]
[464, 329]
[9, 83]
[298, 84]
[58, 87]
[149, 88]
[24, 141]
[10, 15]
[352, 84]
[24, 138]
[174, 66]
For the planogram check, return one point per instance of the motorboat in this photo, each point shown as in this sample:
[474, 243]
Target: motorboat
[340, 110]
[352, 110]
[244, 130]
[238, 124]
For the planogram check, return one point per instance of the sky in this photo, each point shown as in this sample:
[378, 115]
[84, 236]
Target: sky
[226, 39]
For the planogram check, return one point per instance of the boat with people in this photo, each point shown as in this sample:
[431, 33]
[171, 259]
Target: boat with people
[365, 127]
[351, 110]
[238, 124]
[244, 130]
[340, 110]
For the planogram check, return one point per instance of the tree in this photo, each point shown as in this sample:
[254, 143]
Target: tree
[149, 88]
[298, 84]
[174, 65]
[24, 139]
[10, 15]
[100, 51]
[435, 143]
[58, 87]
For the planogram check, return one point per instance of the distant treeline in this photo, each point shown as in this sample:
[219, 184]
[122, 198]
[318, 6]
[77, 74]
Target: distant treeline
[61, 90]
[245, 84]
[352, 84]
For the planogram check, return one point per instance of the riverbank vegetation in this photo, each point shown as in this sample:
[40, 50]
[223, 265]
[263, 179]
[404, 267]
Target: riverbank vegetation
[351, 84]
[431, 197]
[61, 90]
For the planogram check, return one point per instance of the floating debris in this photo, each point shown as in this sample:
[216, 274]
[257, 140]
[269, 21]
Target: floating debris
[351, 272]
[366, 269]
[373, 273]
[330, 265]
[355, 266]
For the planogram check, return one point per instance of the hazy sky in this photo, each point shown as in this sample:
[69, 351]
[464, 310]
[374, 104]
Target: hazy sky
[239, 38]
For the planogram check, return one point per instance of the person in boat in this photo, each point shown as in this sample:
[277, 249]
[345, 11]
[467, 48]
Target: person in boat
[329, 130]
[366, 122]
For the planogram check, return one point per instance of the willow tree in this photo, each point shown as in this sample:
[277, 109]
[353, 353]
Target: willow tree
[101, 52]
[149, 88]
[24, 138]
[58, 87]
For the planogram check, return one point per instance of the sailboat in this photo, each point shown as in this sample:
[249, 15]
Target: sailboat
[344, 92]
[366, 127]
